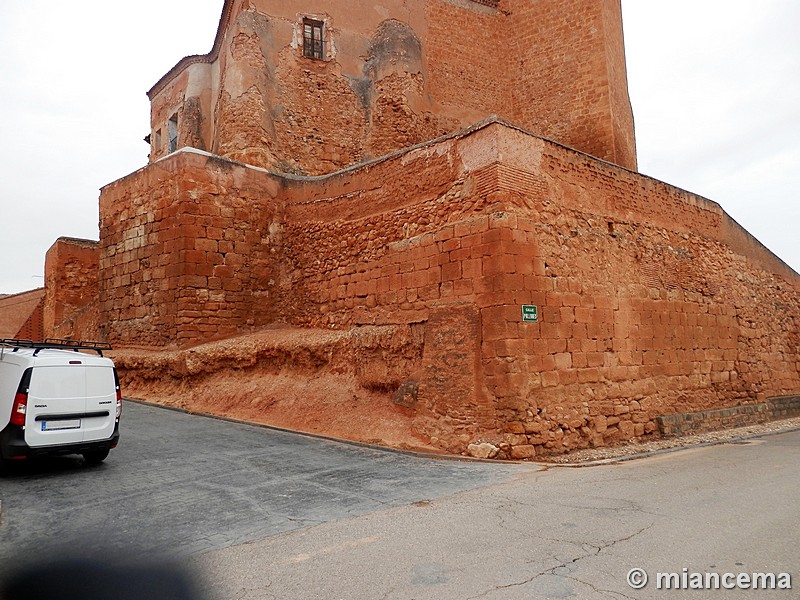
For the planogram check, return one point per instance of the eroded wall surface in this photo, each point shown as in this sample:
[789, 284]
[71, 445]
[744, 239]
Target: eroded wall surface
[395, 74]
[652, 300]
[70, 304]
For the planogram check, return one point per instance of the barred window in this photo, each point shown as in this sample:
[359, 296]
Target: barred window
[313, 46]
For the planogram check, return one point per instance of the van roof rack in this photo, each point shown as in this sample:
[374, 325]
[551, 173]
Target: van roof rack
[57, 343]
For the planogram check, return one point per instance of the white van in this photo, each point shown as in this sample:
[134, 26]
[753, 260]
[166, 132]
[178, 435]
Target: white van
[57, 397]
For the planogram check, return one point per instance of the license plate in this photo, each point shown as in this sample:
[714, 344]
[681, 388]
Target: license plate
[59, 425]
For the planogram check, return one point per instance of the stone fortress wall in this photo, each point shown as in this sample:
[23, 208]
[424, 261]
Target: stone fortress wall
[368, 193]
[71, 288]
[652, 301]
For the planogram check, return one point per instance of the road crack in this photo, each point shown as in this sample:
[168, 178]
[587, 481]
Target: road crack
[595, 551]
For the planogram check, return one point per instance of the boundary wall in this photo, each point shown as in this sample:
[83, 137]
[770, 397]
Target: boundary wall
[21, 315]
[651, 300]
[71, 283]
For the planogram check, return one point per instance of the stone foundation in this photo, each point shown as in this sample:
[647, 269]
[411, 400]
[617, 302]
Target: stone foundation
[725, 418]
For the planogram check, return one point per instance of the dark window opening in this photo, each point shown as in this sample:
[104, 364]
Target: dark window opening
[173, 133]
[313, 46]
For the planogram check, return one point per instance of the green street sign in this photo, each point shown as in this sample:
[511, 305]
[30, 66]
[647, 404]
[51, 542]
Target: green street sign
[530, 313]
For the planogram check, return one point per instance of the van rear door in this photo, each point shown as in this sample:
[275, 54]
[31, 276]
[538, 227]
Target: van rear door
[101, 403]
[56, 405]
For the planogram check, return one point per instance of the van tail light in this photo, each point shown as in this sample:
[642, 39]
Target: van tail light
[20, 406]
[19, 409]
[119, 394]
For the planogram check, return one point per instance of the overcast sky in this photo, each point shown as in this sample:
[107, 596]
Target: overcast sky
[715, 87]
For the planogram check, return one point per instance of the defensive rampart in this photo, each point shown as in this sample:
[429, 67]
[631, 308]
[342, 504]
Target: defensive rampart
[650, 300]
[70, 302]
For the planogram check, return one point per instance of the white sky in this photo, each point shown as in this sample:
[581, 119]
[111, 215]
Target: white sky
[715, 87]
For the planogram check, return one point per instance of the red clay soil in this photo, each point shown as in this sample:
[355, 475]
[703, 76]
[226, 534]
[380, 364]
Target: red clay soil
[321, 382]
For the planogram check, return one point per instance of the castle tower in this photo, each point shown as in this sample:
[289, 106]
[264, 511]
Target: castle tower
[311, 87]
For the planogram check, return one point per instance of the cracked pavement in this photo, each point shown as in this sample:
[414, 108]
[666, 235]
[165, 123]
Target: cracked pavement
[257, 514]
[545, 533]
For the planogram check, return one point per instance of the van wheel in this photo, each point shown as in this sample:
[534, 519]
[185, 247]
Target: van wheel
[95, 457]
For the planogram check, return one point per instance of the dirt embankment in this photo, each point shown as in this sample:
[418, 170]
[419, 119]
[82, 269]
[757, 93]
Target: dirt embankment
[336, 383]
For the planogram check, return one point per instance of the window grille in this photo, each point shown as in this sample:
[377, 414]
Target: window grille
[313, 45]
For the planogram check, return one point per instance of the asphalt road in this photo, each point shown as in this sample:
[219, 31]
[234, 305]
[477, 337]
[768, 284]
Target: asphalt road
[182, 484]
[255, 514]
[557, 533]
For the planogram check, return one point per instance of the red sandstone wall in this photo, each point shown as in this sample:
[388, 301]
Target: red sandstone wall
[571, 81]
[467, 47]
[188, 252]
[622, 123]
[651, 300]
[397, 76]
[647, 307]
[21, 315]
[33, 328]
[71, 271]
